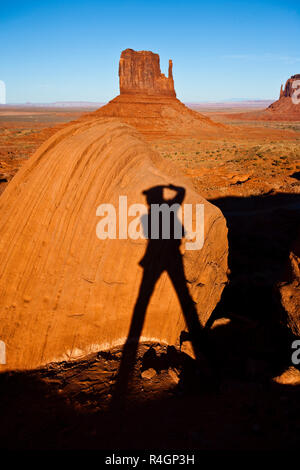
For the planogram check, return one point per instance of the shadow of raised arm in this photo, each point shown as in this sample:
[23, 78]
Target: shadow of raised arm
[178, 199]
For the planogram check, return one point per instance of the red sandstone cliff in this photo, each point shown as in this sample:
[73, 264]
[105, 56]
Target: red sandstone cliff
[286, 106]
[139, 73]
[289, 88]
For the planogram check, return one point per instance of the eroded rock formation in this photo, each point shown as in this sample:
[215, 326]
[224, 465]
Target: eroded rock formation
[63, 292]
[287, 107]
[290, 87]
[148, 100]
[139, 73]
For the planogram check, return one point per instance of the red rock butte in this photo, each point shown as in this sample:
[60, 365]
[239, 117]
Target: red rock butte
[285, 105]
[289, 88]
[139, 73]
[286, 108]
[148, 102]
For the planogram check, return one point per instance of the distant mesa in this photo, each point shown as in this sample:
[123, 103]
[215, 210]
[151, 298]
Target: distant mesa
[289, 89]
[289, 99]
[147, 99]
[286, 108]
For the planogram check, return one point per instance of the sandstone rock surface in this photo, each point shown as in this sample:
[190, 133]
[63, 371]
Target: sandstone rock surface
[291, 376]
[63, 292]
[289, 289]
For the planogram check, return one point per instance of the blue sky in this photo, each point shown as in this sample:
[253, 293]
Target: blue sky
[69, 50]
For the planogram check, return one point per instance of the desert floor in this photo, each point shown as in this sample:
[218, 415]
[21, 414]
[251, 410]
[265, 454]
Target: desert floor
[245, 402]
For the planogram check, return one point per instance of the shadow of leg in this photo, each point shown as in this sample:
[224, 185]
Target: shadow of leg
[177, 276]
[131, 346]
[200, 342]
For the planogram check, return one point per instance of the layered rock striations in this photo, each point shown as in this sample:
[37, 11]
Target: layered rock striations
[64, 292]
[139, 73]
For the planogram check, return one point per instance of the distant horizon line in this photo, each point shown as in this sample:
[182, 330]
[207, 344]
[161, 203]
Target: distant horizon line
[96, 103]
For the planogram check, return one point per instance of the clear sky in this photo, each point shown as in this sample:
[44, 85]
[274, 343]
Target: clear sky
[69, 50]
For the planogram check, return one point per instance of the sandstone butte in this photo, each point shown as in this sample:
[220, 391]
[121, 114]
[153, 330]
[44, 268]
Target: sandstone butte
[63, 292]
[148, 102]
[289, 290]
[284, 109]
[285, 106]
